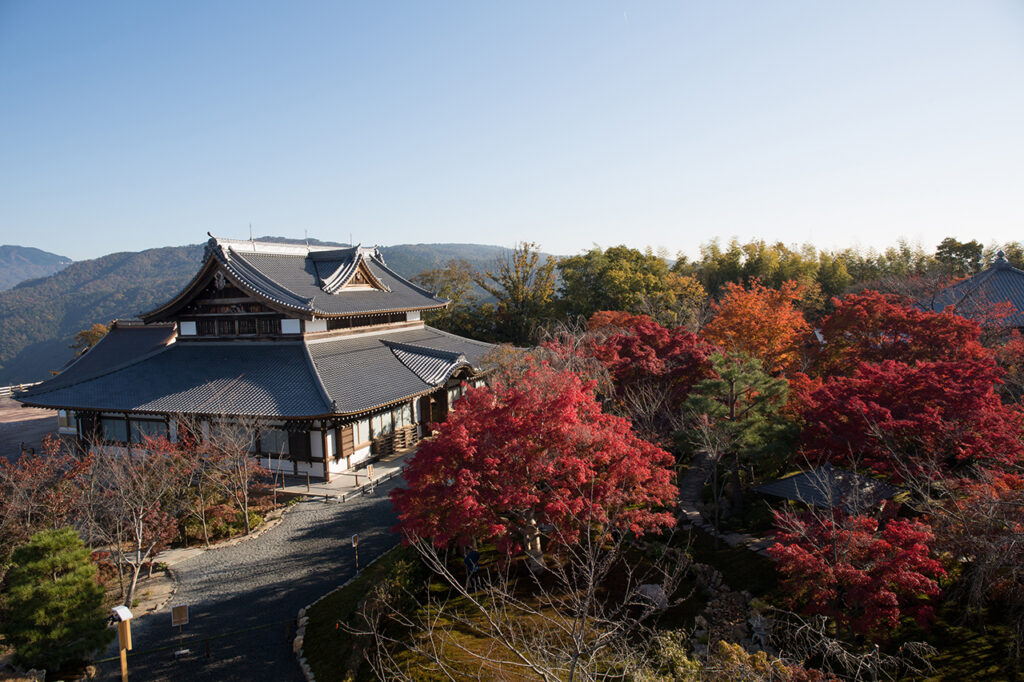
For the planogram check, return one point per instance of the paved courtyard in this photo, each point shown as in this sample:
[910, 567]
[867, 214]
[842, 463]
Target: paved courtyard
[243, 599]
[25, 425]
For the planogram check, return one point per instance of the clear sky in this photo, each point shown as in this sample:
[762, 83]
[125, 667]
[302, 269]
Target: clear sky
[129, 125]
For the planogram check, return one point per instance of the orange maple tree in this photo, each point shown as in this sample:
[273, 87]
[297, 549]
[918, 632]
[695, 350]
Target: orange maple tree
[761, 322]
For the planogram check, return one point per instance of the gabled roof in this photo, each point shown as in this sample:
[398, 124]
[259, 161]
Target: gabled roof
[313, 281]
[345, 375]
[830, 487]
[975, 296]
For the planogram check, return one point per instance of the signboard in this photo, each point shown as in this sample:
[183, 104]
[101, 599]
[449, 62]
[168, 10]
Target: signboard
[369, 471]
[355, 540]
[179, 615]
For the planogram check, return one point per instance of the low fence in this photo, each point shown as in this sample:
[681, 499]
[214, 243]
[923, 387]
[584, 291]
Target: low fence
[8, 391]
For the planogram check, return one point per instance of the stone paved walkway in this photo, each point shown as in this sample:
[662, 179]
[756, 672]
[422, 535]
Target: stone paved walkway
[690, 487]
[243, 598]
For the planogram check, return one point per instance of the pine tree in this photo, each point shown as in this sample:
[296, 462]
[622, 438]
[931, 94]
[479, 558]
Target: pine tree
[53, 609]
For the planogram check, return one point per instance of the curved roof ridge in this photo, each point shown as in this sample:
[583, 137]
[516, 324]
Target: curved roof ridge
[336, 281]
[379, 260]
[424, 350]
[329, 402]
[432, 367]
[259, 283]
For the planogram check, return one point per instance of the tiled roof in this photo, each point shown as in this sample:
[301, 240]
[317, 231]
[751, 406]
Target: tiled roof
[827, 487]
[431, 365]
[258, 379]
[123, 345]
[301, 378]
[313, 280]
[974, 296]
[365, 372]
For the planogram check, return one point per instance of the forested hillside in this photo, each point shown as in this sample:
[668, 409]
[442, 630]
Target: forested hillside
[38, 318]
[20, 263]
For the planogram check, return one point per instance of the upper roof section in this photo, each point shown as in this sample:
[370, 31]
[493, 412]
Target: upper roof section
[977, 297]
[304, 281]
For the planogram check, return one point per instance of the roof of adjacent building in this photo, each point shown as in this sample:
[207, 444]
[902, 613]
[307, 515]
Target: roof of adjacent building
[975, 296]
[306, 280]
[139, 371]
[829, 487]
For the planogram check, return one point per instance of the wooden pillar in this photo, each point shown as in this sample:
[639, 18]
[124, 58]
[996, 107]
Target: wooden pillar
[323, 447]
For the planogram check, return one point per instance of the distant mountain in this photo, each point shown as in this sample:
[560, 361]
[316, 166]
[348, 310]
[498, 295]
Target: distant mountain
[19, 263]
[39, 317]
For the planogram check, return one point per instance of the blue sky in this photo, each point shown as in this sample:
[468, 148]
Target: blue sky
[129, 125]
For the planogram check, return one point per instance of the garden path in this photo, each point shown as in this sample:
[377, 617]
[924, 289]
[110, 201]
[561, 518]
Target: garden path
[243, 598]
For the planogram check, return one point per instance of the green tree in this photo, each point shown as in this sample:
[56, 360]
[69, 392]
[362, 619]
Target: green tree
[87, 338]
[621, 278]
[454, 281]
[735, 414]
[53, 609]
[961, 258]
[524, 284]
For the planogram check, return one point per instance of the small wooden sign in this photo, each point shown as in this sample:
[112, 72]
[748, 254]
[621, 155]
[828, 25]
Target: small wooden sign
[369, 471]
[355, 540]
[179, 615]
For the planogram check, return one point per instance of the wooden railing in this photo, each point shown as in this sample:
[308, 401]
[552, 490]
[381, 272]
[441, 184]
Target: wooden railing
[400, 439]
[8, 391]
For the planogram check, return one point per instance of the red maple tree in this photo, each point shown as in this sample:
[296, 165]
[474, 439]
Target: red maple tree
[872, 327]
[641, 351]
[518, 457]
[930, 418]
[851, 569]
[762, 322]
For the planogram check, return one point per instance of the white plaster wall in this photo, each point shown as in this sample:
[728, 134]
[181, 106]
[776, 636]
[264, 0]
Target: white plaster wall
[315, 446]
[311, 468]
[337, 467]
[290, 326]
[316, 325]
[360, 455]
[412, 316]
[187, 328]
[274, 464]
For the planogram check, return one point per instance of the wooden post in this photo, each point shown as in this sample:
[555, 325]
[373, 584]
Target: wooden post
[124, 643]
[307, 481]
[323, 447]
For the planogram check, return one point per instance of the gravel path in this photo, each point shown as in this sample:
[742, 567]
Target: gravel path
[243, 599]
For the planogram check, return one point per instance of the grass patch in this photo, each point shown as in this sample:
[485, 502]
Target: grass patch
[332, 653]
[966, 654]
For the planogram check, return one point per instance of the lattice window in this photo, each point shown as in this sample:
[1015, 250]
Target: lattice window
[246, 325]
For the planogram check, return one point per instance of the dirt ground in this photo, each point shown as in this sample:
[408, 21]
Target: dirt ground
[25, 425]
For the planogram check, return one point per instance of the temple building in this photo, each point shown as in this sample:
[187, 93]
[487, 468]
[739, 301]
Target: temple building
[325, 347]
[994, 297]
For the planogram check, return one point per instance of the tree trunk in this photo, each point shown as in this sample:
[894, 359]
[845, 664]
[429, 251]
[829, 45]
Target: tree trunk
[737, 492]
[202, 518]
[532, 545]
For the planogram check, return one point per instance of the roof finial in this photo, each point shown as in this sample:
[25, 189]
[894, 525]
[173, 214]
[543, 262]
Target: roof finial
[306, 232]
[251, 240]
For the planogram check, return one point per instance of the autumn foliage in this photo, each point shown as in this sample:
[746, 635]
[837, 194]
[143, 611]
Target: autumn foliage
[538, 452]
[762, 322]
[852, 569]
[640, 351]
[932, 418]
[871, 328]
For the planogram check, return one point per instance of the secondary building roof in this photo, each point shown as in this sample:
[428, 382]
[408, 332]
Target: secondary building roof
[829, 487]
[141, 369]
[309, 281]
[976, 296]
